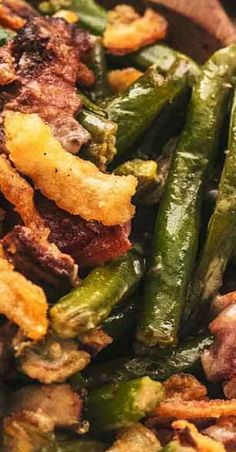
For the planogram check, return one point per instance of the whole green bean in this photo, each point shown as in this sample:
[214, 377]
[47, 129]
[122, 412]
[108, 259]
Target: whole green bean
[150, 93]
[221, 237]
[177, 227]
[87, 306]
[122, 404]
[160, 365]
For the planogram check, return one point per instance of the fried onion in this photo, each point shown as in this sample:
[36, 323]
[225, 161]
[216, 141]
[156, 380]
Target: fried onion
[75, 185]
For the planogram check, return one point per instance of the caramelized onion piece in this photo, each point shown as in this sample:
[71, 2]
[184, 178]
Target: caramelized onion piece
[127, 31]
[75, 185]
[188, 435]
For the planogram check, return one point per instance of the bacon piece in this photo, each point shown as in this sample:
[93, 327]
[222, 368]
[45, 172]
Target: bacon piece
[127, 31]
[59, 402]
[219, 361]
[89, 242]
[95, 341]
[224, 431]
[22, 302]
[14, 12]
[47, 72]
[38, 259]
[75, 185]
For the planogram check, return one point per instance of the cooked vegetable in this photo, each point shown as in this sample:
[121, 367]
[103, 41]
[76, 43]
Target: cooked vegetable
[102, 148]
[52, 361]
[121, 79]
[122, 319]
[146, 172]
[221, 236]
[76, 185]
[122, 404]
[127, 31]
[5, 35]
[91, 15]
[136, 439]
[150, 93]
[177, 226]
[91, 302]
[97, 62]
[22, 302]
[159, 366]
[163, 57]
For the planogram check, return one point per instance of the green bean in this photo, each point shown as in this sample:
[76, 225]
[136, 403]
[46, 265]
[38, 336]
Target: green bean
[159, 365]
[150, 93]
[146, 172]
[177, 227]
[5, 36]
[97, 62]
[221, 237]
[122, 404]
[102, 147]
[87, 306]
[91, 16]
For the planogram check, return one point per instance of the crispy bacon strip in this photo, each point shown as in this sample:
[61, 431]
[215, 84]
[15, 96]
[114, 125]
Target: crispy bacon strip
[197, 409]
[22, 302]
[120, 79]
[127, 31]
[47, 73]
[89, 242]
[21, 195]
[75, 185]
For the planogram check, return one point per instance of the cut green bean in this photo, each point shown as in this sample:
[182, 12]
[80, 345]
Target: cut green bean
[150, 93]
[122, 404]
[87, 306]
[5, 36]
[102, 148]
[97, 62]
[146, 172]
[158, 365]
[91, 16]
[221, 237]
[177, 227]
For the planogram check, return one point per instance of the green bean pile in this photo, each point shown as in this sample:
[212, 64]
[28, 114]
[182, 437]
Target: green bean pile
[169, 129]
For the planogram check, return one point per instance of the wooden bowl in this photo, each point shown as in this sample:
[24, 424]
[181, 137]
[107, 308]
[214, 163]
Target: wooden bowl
[196, 27]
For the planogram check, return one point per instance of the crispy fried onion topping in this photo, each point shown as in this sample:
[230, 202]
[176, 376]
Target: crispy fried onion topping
[53, 360]
[196, 409]
[19, 193]
[188, 435]
[184, 387]
[22, 302]
[120, 79]
[136, 438]
[127, 31]
[75, 185]
[14, 12]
